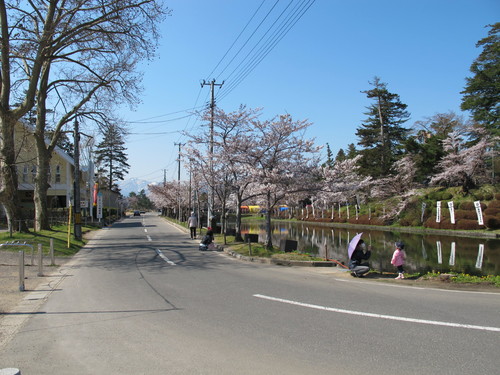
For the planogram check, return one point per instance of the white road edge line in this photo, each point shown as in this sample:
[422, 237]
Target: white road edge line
[162, 256]
[379, 316]
[419, 288]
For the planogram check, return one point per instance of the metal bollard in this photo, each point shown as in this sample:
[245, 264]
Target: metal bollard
[21, 271]
[40, 260]
[52, 259]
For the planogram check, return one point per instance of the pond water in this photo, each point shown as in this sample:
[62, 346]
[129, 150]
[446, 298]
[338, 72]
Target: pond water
[424, 253]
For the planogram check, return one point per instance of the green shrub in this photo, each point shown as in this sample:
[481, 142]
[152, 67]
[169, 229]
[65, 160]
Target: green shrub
[494, 204]
[468, 225]
[492, 222]
[462, 214]
[466, 206]
[446, 224]
[491, 211]
[431, 223]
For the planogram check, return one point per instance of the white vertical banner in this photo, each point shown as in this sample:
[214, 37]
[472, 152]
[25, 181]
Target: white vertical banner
[439, 252]
[99, 205]
[452, 254]
[479, 212]
[438, 211]
[452, 212]
[480, 254]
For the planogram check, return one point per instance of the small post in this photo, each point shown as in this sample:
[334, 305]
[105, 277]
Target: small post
[326, 252]
[52, 258]
[249, 247]
[21, 270]
[40, 260]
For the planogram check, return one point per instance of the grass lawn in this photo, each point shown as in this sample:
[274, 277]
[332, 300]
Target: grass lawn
[59, 234]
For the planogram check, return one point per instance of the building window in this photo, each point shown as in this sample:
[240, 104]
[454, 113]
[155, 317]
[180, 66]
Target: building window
[25, 174]
[58, 174]
[49, 174]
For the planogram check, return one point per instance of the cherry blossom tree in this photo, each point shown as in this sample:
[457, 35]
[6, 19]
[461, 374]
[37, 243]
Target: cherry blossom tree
[343, 181]
[281, 161]
[224, 171]
[465, 165]
[401, 181]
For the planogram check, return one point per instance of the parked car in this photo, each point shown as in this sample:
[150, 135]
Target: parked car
[137, 213]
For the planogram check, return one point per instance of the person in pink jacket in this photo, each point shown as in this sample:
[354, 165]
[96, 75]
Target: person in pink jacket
[398, 259]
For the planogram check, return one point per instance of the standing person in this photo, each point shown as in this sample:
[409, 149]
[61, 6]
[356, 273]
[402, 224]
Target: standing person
[398, 259]
[356, 265]
[192, 224]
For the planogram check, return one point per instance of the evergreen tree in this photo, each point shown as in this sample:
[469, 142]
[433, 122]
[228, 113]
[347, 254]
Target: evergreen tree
[329, 156]
[111, 156]
[351, 151]
[482, 91]
[340, 157]
[426, 145]
[382, 134]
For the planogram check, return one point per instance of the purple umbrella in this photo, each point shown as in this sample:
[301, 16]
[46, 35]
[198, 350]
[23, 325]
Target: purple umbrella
[353, 244]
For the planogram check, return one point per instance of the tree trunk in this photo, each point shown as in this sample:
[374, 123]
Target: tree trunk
[44, 155]
[42, 187]
[8, 170]
[269, 239]
[238, 236]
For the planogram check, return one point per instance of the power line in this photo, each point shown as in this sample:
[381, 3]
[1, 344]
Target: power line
[248, 39]
[238, 37]
[271, 42]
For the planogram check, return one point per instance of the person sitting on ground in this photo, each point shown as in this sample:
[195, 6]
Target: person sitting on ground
[208, 238]
[356, 265]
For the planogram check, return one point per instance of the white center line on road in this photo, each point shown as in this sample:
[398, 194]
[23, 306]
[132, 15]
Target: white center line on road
[145, 230]
[379, 316]
[149, 238]
[162, 256]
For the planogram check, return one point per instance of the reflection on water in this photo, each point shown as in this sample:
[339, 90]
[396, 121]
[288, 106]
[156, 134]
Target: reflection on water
[477, 256]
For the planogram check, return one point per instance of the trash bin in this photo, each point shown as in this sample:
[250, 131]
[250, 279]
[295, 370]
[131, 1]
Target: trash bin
[288, 245]
[251, 237]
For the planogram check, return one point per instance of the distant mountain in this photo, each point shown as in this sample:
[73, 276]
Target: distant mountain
[133, 185]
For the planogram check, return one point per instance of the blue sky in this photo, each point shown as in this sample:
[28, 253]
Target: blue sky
[422, 49]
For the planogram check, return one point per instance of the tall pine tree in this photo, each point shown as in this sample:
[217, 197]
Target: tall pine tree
[382, 134]
[482, 91]
[111, 156]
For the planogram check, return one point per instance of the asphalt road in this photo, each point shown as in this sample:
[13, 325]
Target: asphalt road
[141, 299]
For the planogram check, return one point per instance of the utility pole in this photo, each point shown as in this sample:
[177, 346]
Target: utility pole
[179, 180]
[211, 150]
[76, 188]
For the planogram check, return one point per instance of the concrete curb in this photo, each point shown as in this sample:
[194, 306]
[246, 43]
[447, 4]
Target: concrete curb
[280, 262]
